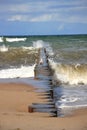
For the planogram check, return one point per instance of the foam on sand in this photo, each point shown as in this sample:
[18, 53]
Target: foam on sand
[23, 71]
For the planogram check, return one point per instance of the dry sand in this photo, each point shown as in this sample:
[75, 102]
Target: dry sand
[14, 102]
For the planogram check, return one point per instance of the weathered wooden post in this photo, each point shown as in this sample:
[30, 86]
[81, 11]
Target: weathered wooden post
[30, 109]
[35, 72]
[43, 69]
[51, 93]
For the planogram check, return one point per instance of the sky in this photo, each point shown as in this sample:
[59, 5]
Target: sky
[43, 17]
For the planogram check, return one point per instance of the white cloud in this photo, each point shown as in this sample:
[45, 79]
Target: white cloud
[45, 17]
[50, 17]
[15, 18]
[29, 7]
[44, 6]
[19, 8]
[19, 18]
[77, 19]
[56, 10]
[30, 19]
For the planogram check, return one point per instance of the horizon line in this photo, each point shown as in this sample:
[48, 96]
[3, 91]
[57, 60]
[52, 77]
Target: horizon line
[27, 35]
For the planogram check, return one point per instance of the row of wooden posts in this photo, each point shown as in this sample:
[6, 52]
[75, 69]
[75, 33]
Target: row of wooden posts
[48, 107]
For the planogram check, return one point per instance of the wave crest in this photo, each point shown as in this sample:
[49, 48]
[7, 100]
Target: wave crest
[3, 48]
[38, 44]
[1, 39]
[4, 39]
[43, 44]
[15, 39]
[69, 73]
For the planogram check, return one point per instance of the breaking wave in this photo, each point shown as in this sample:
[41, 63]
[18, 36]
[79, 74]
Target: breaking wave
[43, 44]
[15, 39]
[3, 48]
[1, 39]
[4, 39]
[17, 56]
[22, 72]
[38, 44]
[69, 73]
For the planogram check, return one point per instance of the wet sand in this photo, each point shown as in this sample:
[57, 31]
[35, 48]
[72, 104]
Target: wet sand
[14, 101]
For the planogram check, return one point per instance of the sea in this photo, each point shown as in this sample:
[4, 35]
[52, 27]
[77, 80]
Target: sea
[67, 56]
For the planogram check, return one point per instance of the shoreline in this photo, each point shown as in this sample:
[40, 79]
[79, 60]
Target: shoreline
[14, 101]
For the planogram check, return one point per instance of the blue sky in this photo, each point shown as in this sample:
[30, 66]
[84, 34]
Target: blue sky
[43, 17]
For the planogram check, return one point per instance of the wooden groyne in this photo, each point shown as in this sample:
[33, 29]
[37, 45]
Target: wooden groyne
[42, 72]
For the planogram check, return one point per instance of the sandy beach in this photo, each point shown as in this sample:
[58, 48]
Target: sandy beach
[14, 101]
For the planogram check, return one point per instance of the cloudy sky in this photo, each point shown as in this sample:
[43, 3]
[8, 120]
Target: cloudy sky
[43, 17]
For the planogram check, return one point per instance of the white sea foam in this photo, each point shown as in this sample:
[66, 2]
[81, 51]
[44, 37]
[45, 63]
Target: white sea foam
[1, 39]
[38, 44]
[71, 107]
[43, 44]
[28, 48]
[15, 39]
[69, 73]
[3, 48]
[23, 71]
[70, 98]
[49, 50]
